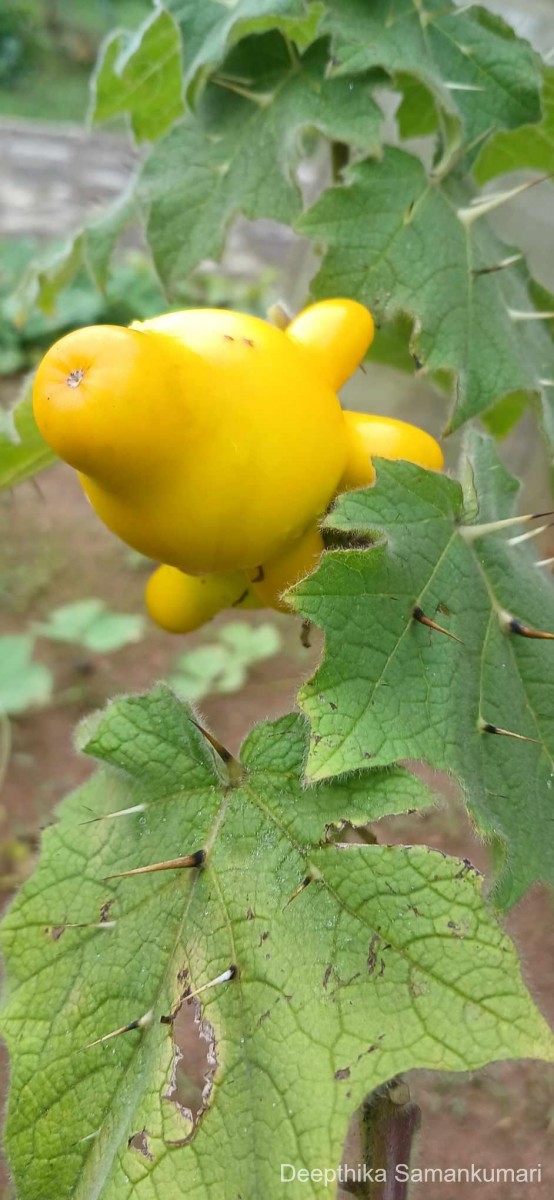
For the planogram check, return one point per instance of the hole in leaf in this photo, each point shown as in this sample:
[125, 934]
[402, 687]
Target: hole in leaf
[194, 1065]
[139, 1141]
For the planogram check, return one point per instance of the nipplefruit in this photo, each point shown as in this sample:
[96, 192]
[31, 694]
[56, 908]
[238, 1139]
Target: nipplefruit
[213, 442]
[180, 603]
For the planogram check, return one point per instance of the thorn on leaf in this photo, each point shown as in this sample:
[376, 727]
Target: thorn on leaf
[419, 615]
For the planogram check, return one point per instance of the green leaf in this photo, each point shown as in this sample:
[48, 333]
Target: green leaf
[88, 623]
[408, 245]
[531, 146]
[140, 74]
[211, 28]
[54, 270]
[402, 966]
[223, 666]
[417, 113]
[23, 452]
[23, 683]
[390, 688]
[471, 61]
[239, 154]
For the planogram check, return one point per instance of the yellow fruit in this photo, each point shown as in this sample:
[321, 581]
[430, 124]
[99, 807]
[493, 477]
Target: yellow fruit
[337, 333]
[205, 439]
[181, 603]
[213, 442]
[288, 568]
[384, 437]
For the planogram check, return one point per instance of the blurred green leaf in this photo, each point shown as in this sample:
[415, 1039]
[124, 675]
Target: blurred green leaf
[23, 451]
[23, 682]
[140, 74]
[223, 666]
[88, 623]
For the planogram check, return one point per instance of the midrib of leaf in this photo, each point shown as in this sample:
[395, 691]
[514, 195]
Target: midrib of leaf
[95, 1174]
[245, 1040]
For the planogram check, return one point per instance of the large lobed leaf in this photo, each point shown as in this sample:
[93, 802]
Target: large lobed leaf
[407, 244]
[401, 965]
[211, 28]
[389, 688]
[479, 73]
[240, 150]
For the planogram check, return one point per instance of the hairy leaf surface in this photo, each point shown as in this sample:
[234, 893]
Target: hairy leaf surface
[471, 61]
[389, 688]
[400, 965]
[404, 243]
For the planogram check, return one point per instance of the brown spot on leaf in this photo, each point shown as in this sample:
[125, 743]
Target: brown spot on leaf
[139, 1141]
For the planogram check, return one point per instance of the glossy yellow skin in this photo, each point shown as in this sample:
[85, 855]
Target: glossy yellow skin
[180, 603]
[287, 568]
[384, 437]
[213, 442]
[205, 439]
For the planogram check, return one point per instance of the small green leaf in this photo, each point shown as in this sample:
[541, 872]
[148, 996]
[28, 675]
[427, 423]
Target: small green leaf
[23, 683]
[88, 623]
[389, 688]
[223, 666]
[387, 960]
[238, 153]
[140, 74]
[23, 451]
[529, 147]
[419, 250]
[417, 113]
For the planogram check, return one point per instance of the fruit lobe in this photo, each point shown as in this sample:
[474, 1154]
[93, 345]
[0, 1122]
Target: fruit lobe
[180, 603]
[384, 437]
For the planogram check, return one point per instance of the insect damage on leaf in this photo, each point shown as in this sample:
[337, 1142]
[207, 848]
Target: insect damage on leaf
[373, 922]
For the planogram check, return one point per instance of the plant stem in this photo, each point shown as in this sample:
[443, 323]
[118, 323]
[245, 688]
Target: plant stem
[388, 1124]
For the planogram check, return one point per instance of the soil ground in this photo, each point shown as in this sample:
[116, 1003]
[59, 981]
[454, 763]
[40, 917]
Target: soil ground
[54, 550]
